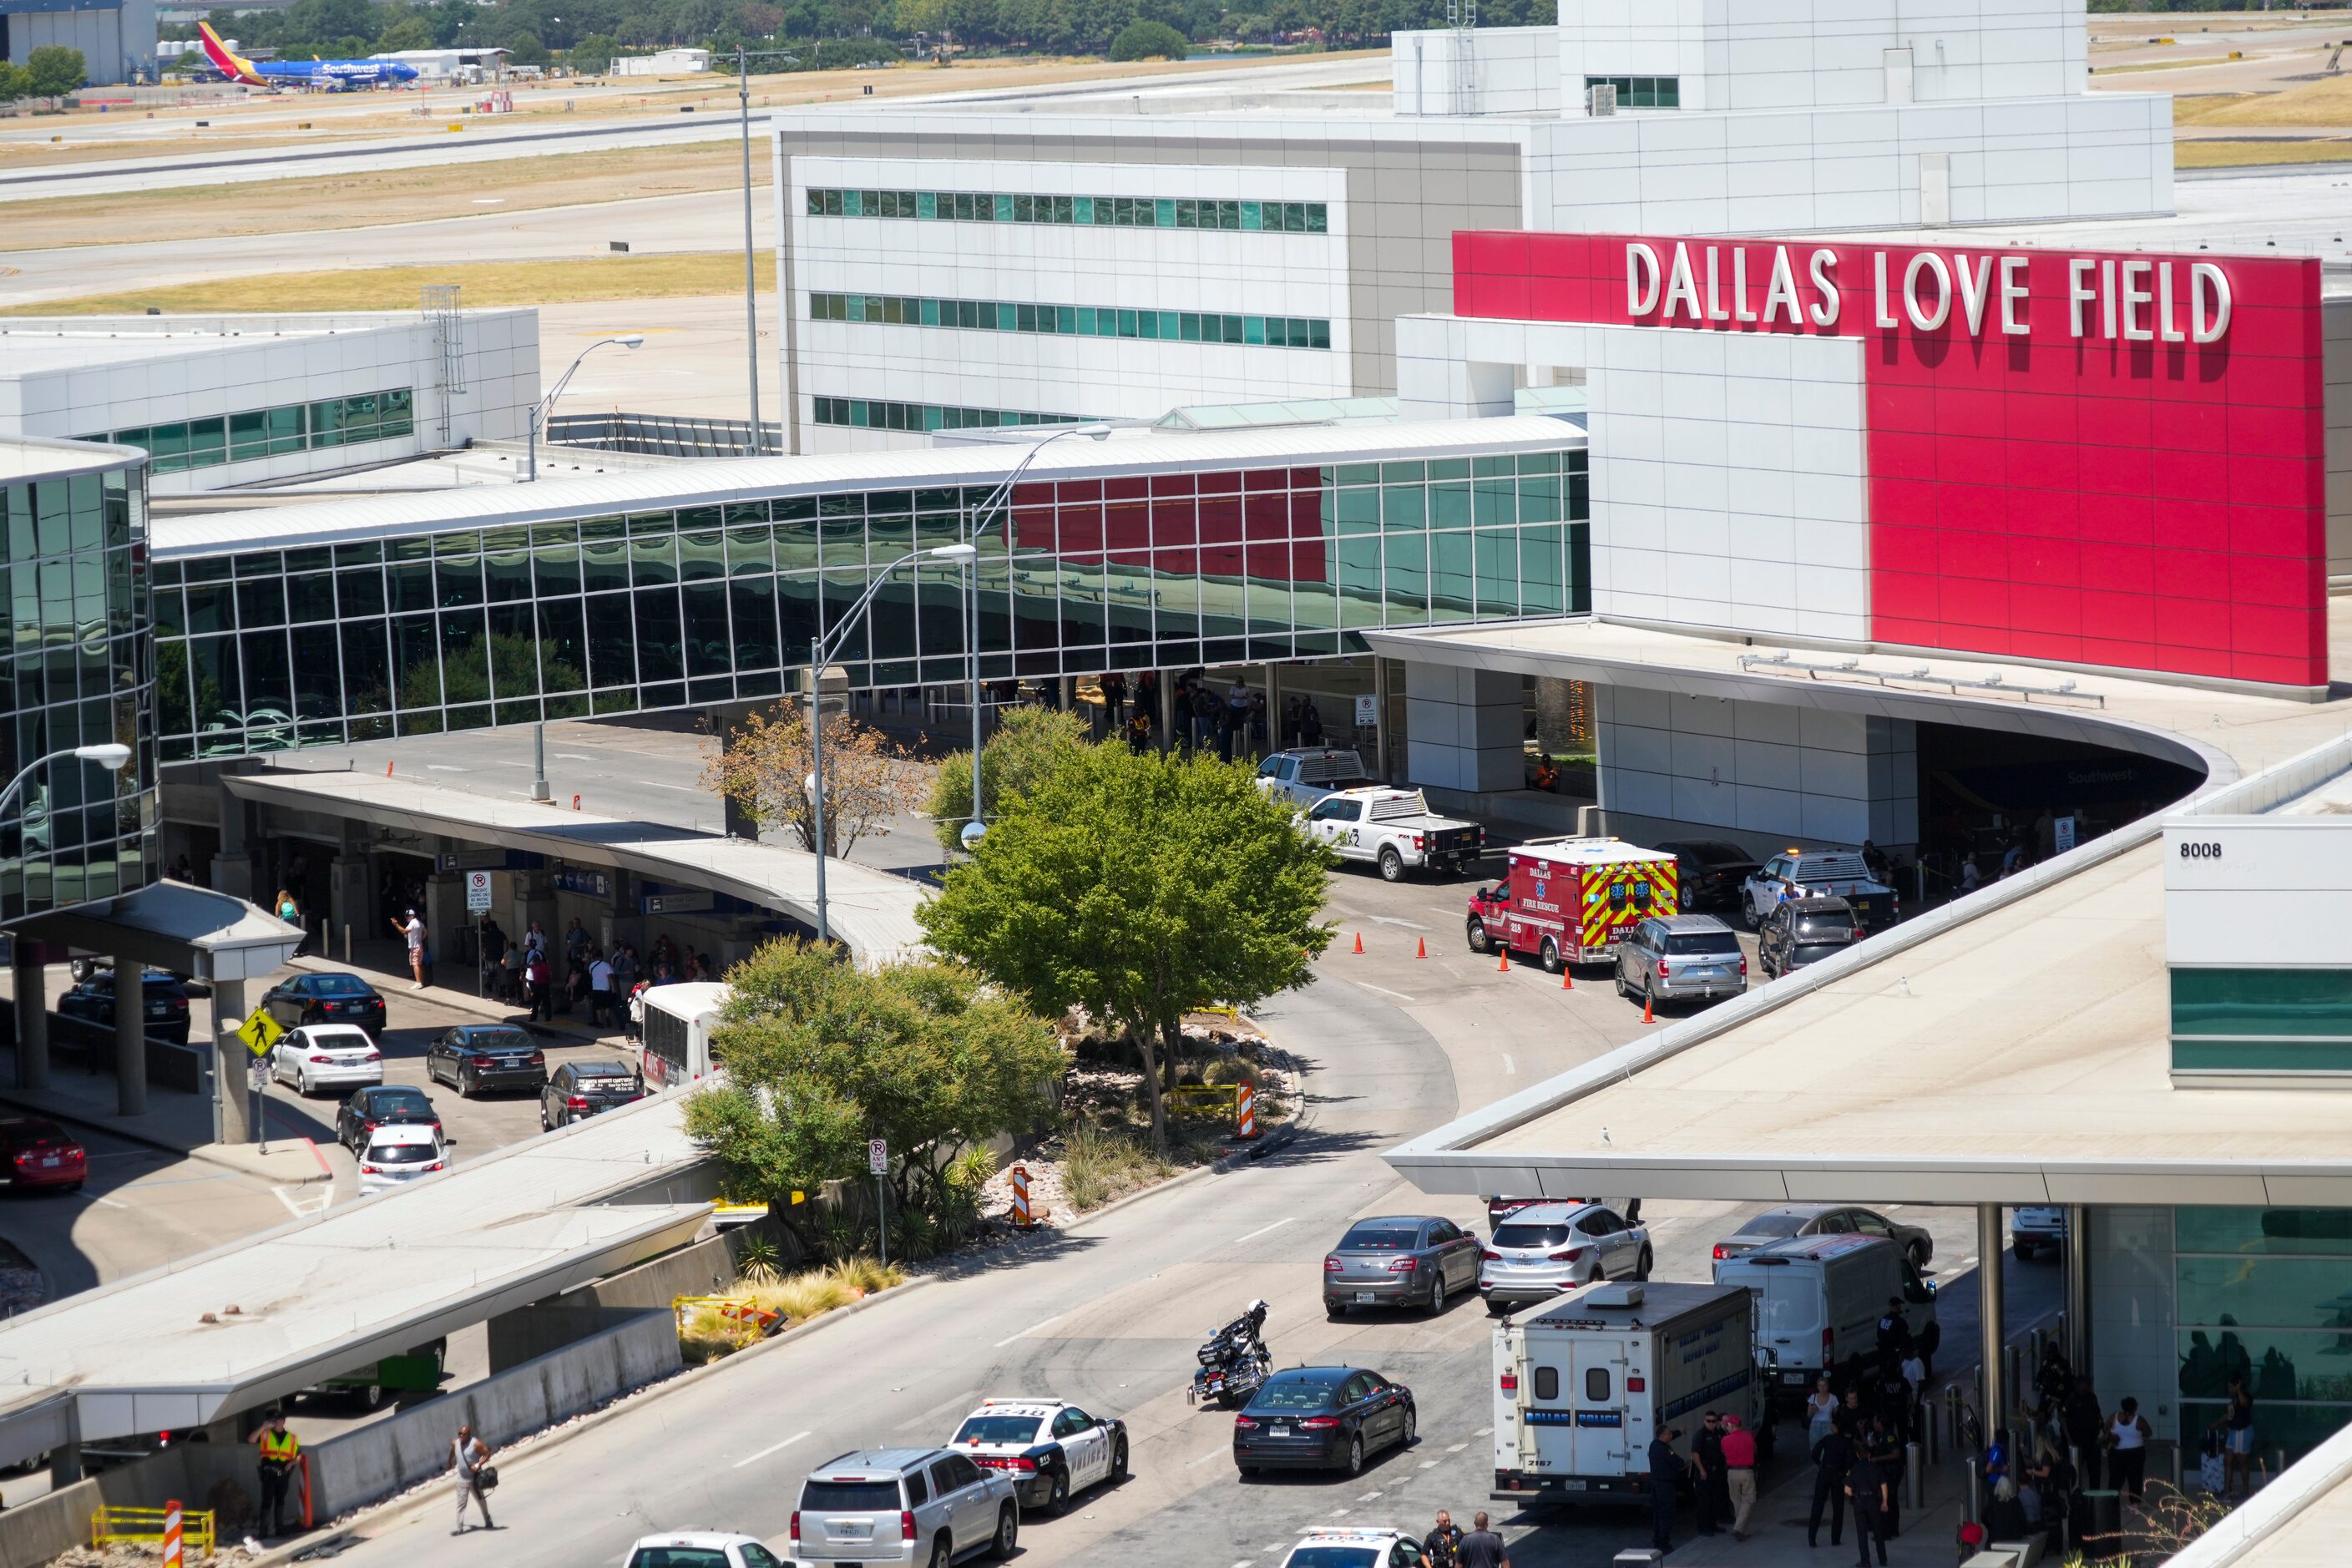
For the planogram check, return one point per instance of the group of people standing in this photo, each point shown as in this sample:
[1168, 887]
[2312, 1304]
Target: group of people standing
[551, 977]
[1235, 721]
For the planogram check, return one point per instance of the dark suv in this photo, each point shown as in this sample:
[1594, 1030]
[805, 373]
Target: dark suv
[166, 1004]
[579, 1090]
[1803, 930]
[1709, 872]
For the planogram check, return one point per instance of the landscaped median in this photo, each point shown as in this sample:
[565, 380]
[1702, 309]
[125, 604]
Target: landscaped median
[765, 1303]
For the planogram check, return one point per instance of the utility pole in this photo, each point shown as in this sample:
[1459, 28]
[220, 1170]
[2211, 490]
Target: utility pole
[751, 275]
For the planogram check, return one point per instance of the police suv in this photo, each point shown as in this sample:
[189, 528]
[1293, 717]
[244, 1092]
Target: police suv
[1049, 1448]
[1354, 1548]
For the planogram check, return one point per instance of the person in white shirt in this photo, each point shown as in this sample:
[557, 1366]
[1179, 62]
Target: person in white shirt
[413, 929]
[600, 987]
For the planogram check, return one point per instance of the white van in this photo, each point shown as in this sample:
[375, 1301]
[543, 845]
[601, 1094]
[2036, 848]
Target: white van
[677, 1026]
[1819, 1299]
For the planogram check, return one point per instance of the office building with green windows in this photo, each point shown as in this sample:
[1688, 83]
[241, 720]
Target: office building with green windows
[223, 402]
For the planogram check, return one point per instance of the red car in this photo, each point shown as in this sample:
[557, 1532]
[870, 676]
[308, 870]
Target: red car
[36, 1153]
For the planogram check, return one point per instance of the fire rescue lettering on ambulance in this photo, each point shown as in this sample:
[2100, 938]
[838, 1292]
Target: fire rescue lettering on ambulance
[2138, 301]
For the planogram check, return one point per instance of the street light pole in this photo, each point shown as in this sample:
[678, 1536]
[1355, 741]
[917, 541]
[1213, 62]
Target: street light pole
[111, 755]
[821, 654]
[977, 827]
[750, 293]
[538, 410]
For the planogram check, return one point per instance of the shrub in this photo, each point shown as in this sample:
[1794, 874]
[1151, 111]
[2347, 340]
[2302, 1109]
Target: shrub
[1149, 41]
[1099, 1166]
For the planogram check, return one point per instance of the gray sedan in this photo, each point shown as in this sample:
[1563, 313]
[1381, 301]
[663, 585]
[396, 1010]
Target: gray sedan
[1827, 1219]
[1398, 1260]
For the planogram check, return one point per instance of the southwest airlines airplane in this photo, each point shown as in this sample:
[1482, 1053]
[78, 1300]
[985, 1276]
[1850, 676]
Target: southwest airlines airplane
[333, 75]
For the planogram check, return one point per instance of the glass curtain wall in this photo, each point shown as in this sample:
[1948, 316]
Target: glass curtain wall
[682, 606]
[77, 672]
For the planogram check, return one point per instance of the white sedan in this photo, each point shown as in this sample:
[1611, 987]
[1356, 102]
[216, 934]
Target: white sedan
[1354, 1548]
[326, 1055]
[700, 1549]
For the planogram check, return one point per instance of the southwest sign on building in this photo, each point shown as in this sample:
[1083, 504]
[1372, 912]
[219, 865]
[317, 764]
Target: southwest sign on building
[2105, 459]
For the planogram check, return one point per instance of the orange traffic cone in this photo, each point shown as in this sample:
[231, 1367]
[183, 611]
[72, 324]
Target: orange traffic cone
[1421, 947]
[1567, 980]
[1360, 941]
[1502, 960]
[1645, 1007]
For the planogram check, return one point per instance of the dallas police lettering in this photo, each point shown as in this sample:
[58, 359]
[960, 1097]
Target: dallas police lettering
[2132, 300]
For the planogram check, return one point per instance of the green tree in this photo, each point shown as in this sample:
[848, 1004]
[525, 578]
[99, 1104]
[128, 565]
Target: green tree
[593, 53]
[822, 1055]
[54, 70]
[1140, 888]
[526, 49]
[1029, 743]
[1149, 41]
[15, 82]
[408, 33]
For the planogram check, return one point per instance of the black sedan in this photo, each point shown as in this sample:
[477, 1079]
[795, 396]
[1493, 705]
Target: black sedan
[326, 999]
[1710, 871]
[472, 1057]
[1400, 1260]
[1322, 1418]
[165, 1002]
[387, 1105]
[579, 1090]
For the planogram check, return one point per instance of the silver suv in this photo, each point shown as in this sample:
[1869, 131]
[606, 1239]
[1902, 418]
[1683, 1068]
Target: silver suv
[1670, 958]
[931, 1506]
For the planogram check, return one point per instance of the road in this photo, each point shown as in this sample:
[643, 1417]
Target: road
[144, 1208]
[1108, 1312]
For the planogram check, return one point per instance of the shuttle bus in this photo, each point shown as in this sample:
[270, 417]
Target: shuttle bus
[676, 1032]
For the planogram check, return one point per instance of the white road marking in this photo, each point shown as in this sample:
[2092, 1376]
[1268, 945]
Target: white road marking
[313, 1204]
[1336, 1513]
[1458, 1447]
[1368, 1496]
[1429, 1464]
[1484, 1432]
[682, 789]
[1386, 992]
[1245, 1562]
[1261, 1230]
[110, 1203]
[445, 768]
[1033, 1328]
[1510, 1066]
[1393, 921]
[577, 757]
[774, 1448]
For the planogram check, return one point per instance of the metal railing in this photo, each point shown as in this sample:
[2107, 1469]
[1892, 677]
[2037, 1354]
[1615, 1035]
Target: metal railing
[1919, 675]
[661, 434]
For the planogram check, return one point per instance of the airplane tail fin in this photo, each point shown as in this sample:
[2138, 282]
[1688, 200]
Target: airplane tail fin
[234, 67]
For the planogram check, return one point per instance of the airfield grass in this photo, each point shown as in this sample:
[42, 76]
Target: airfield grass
[396, 288]
[2238, 154]
[2327, 101]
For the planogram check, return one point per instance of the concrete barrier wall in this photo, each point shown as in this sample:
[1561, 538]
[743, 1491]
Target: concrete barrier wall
[57, 1521]
[393, 1455]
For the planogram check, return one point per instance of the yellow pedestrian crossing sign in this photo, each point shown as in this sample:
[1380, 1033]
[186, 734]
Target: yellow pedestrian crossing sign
[259, 1033]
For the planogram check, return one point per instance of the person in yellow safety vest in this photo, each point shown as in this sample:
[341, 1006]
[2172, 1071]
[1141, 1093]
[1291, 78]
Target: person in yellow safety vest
[279, 1450]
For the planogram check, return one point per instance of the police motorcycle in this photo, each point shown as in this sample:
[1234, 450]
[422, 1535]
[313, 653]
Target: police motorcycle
[1234, 1363]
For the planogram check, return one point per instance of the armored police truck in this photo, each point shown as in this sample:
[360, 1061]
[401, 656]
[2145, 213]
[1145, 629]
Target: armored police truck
[1583, 1383]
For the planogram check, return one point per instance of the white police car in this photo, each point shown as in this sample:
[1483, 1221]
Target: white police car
[1050, 1448]
[1363, 1548]
[700, 1549]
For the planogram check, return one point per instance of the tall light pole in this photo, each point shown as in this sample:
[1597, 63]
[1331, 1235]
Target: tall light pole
[750, 288]
[538, 410]
[821, 654]
[977, 827]
[111, 755]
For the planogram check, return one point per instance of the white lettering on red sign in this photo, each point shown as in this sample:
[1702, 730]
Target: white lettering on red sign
[2136, 301]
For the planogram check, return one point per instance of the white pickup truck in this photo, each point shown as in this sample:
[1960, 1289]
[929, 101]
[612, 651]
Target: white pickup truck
[1305, 776]
[1797, 873]
[1395, 830]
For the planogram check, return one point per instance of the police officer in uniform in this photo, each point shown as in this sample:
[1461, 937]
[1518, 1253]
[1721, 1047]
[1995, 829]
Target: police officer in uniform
[1665, 1483]
[279, 1450]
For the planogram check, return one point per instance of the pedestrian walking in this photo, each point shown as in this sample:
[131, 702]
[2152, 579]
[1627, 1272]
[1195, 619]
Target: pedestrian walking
[2127, 1435]
[292, 913]
[1914, 1381]
[1832, 1458]
[1739, 1474]
[2083, 1425]
[600, 988]
[2237, 1425]
[412, 930]
[1442, 1547]
[1869, 1493]
[2004, 1513]
[280, 1451]
[1666, 1486]
[475, 1476]
[1711, 1491]
[1482, 1547]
